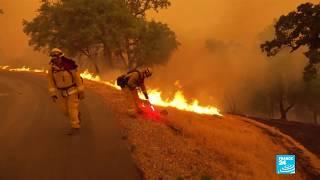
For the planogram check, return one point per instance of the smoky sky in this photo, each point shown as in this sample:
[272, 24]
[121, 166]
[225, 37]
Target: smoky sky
[233, 27]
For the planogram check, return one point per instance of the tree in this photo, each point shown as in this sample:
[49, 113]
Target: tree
[285, 97]
[230, 103]
[80, 27]
[94, 28]
[139, 7]
[1, 11]
[154, 46]
[297, 29]
[279, 96]
[263, 103]
[282, 86]
[309, 98]
[155, 41]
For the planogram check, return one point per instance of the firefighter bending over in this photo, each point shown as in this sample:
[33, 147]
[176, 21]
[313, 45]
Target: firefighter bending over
[66, 87]
[131, 83]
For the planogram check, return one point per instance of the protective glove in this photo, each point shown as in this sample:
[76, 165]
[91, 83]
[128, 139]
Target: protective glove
[81, 95]
[54, 98]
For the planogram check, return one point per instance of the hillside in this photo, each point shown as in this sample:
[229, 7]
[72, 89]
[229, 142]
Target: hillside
[185, 145]
[305, 134]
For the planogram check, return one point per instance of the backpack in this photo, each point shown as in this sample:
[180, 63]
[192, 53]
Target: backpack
[122, 80]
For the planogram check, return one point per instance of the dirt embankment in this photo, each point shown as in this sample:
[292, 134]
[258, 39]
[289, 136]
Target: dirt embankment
[306, 134]
[190, 146]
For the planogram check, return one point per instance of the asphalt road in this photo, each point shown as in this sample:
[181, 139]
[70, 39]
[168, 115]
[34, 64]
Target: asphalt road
[32, 141]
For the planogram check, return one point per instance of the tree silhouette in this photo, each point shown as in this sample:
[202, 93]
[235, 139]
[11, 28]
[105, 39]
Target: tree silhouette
[300, 28]
[107, 28]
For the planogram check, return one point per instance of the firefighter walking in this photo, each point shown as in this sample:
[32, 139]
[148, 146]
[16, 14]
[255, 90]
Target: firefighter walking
[66, 87]
[131, 83]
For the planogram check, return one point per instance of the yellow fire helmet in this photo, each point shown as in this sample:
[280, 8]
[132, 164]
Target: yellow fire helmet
[55, 52]
[147, 72]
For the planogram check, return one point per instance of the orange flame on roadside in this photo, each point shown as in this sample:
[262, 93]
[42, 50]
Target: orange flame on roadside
[23, 69]
[89, 76]
[178, 101]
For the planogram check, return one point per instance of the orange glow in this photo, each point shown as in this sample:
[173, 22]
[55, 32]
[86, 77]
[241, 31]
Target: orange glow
[23, 69]
[178, 101]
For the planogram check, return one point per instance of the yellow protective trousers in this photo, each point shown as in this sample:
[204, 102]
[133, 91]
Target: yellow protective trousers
[70, 107]
[133, 99]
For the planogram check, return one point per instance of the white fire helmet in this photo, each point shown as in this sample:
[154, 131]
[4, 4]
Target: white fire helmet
[55, 52]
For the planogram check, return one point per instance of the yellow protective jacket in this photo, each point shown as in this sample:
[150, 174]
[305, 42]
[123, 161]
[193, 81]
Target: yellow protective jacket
[64, 78]
[136, 80]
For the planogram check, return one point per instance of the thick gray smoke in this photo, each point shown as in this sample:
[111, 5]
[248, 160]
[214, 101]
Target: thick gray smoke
[219, 59]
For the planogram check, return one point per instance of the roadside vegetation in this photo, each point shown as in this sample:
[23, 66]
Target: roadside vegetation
[185, 145]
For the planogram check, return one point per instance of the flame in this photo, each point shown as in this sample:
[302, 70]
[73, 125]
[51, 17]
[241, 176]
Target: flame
[178, 101]
[89, 76]
[23, 69]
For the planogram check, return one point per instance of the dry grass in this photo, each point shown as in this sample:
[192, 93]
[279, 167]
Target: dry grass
[233, 148]
[196, 146]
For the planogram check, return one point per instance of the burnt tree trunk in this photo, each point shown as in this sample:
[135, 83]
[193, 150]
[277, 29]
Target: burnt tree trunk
[107, 54]
[96, 68]
[131, 46]
[283, 115]
[94, 62]
[284, 111]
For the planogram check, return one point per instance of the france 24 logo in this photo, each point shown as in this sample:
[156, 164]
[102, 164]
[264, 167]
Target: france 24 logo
[286, 164]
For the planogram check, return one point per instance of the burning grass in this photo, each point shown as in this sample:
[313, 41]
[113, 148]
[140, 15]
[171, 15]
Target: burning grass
[194, 146]
[189, 145]
[178, 101]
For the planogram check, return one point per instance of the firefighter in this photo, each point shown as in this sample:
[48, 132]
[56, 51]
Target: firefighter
[131, 83]
[66, 87]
